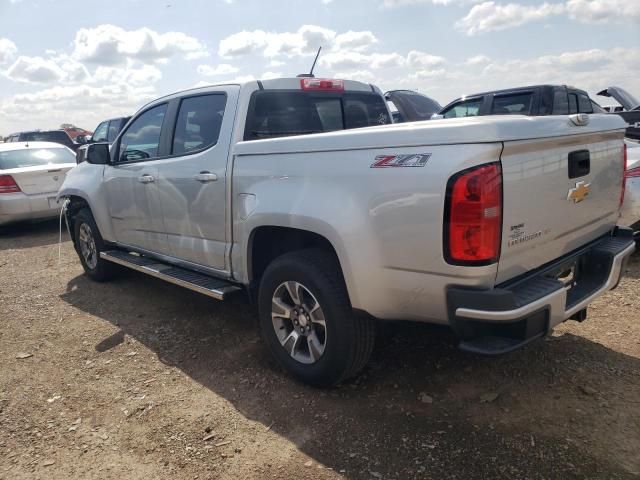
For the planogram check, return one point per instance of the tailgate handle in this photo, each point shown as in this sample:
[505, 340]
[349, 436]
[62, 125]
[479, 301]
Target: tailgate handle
[579, 163]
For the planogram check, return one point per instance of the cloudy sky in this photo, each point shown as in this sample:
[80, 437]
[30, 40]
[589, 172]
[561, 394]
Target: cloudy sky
[64, 61]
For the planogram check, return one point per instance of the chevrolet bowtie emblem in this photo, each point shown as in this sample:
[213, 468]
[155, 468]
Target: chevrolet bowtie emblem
[579, 193]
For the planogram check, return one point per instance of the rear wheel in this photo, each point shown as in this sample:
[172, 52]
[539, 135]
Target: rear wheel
[89, 244]
[307, 320]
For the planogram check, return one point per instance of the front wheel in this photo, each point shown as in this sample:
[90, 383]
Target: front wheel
[307, 320]
[89, 244]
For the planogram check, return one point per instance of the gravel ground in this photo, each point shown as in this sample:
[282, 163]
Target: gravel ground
[140, 379]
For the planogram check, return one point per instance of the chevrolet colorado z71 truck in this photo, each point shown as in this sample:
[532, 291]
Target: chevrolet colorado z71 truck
[501, 227]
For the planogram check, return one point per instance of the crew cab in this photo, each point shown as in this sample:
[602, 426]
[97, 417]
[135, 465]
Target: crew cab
[500, 227]
[535, 100]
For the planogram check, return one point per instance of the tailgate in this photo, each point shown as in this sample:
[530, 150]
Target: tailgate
[559, 194]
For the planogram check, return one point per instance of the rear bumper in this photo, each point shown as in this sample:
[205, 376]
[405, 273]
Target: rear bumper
[15, 207]
[519, 311]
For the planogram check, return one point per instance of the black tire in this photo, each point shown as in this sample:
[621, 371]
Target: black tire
[349, 337]
[102, 271]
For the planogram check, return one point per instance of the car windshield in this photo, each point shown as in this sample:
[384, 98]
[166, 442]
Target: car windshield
[31, 157]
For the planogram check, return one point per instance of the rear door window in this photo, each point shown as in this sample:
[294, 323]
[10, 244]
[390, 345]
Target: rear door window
[584, 104]
[198, 123]
[560, 103]
[573, 103]
[141, 141]
[512, 104]
[466, 108]
[285, 113]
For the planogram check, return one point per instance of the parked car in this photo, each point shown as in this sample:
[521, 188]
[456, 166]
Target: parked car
[410, 106]
[106, 131]
[536, 100]
[630, 215]
[56, 136]
[630, 109]
[235, 187]
[30, 176]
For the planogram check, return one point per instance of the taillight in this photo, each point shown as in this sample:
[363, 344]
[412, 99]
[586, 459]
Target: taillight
[473, 216]
[625, 174]
[322, 84]
[8, 184]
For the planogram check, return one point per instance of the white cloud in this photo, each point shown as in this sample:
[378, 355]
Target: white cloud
[136, 76]
[35, 70]
[355, 40]
[478, 60]
[490, 16]
[350, 60]
[602, 11]
[417, 59]
[112, 45]
[303, 42]
[221, 69]
[270, 75]
[81, 105]
[400, 3]
[8, 50]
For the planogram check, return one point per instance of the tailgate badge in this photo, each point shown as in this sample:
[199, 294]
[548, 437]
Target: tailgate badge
[406, 160]
[580, 192]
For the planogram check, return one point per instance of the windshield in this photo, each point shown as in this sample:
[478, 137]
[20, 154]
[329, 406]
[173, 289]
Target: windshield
[31, 157]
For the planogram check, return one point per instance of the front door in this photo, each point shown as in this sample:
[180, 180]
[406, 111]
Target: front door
[192, 180]
[131, 181]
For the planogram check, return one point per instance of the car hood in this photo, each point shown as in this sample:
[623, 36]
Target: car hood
[624, 98]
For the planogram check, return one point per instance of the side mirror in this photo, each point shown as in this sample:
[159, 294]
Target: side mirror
[98, 153]
[437, 116]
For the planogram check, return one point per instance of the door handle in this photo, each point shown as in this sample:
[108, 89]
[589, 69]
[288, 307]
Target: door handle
[205, 177]
[146, 178]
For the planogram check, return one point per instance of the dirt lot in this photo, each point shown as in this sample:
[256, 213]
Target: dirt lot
[140, 379]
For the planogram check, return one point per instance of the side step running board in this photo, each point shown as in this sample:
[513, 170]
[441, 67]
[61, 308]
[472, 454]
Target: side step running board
[198, 282]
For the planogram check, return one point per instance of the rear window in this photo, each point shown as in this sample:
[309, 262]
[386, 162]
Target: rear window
[31, 157]
[286, 113]
[514, 104]
[58, 137]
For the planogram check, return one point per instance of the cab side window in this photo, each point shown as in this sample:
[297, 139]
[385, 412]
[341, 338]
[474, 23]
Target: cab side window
[584, 104]
[466, 108]
[100, 135]
[198, 123]
[560, 102]
[141, 141]
[573, 103]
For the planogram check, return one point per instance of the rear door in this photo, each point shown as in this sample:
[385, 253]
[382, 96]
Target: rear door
[559, 193]
[131, 183]
[192, 186]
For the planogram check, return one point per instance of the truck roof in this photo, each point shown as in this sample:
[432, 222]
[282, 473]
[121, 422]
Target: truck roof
[285, 83]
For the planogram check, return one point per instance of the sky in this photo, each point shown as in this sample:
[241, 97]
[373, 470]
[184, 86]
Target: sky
[65, 61]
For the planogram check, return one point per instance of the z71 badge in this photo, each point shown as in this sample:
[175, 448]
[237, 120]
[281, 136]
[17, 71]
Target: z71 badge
[410, 160]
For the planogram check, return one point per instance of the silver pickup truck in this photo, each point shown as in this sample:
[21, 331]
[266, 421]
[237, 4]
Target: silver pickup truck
[500, 227]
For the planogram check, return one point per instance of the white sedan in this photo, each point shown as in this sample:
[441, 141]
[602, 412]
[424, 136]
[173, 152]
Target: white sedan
[630, 215]
[30, 175]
